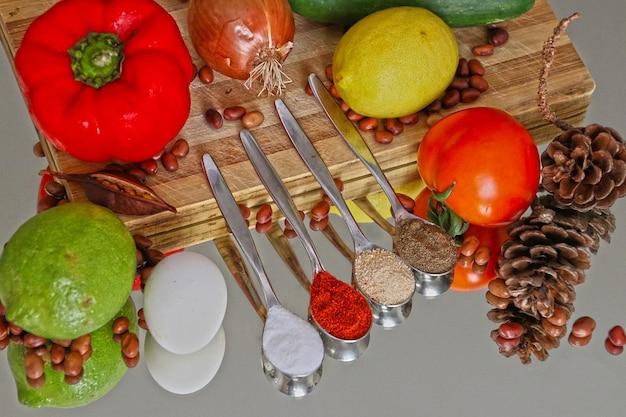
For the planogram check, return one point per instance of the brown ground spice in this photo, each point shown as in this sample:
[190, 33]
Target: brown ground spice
[383, 277]
[425, 246]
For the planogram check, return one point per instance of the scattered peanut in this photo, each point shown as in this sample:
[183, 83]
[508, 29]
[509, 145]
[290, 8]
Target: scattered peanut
[169, 161]
[264, 214]
[149, 166]
[483, 50]
[320, 210]
[613, 348]
[383, 136]
[233, 113]
[180, 148]
[252, 119]
[206, 75]
[498, 36]
[498, 287]
[583, 326]
[511, 330]
[214, 118]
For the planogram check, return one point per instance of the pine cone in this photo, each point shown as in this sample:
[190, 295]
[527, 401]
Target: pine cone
[585, 167]
[546, 257]
[548, 253]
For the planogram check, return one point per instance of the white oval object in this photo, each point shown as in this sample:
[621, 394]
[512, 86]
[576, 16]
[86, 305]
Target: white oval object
[184, 374]
[185, 302]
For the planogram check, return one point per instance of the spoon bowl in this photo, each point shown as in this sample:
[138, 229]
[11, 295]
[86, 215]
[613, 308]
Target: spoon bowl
[385, 314]
[343, 350]
[340, 349]
[284, 334]
[428, 283]
[292, 385]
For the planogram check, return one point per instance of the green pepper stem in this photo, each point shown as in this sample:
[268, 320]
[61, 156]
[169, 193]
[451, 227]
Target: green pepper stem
[96, 59]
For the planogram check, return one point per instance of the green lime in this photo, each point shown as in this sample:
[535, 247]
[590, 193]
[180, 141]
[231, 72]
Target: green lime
[395, 62]
[104, 369]
[67, 270]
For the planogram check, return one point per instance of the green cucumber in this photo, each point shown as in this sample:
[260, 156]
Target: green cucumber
[456, 13]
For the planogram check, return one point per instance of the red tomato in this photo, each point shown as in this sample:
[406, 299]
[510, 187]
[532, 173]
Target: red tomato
[489, 156]
[465, 279]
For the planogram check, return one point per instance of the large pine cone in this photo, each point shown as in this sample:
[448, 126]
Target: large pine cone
[585, 167]
[548, 253]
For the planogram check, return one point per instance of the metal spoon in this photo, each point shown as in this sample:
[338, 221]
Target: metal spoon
[428, 284]
[292, 384]
[384, 315]
[336, 348]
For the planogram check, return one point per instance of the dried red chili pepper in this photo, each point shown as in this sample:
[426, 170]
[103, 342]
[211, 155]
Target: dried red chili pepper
[106, 79]
[338, 308]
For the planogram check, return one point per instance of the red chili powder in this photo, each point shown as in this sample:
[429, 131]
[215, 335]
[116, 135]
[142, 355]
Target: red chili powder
[338, 308]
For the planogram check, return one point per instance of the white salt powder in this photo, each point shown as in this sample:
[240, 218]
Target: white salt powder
[291, 343]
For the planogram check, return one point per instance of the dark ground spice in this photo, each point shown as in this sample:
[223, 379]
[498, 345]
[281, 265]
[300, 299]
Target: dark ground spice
[338, 308]
[426, 247]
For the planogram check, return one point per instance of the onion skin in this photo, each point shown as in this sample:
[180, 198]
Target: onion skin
[233, 36]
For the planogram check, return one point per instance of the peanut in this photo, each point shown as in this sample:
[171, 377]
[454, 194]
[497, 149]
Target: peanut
[368, 124]
[450, 99]
[214, 118]
[252, 119]
[469, 95]
[180, 149]
[498, 36]
[394, 126]
[583, 326]
[233, 113]
[383, 136]
[205, 74]
[478, 82]
[483, 50]
[169, 161]
[475, 67]
[264, 214]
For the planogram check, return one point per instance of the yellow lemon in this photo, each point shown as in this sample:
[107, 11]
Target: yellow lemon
[395, 62]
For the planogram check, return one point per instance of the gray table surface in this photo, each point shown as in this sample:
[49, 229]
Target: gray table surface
[441, 362]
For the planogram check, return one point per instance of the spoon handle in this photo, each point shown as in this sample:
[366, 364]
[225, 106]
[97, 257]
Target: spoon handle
[354, 140]
[277, 189]
[318, 168]
[232, 214]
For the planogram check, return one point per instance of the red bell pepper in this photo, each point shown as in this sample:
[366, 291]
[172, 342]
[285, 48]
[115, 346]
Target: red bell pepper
[106, 79]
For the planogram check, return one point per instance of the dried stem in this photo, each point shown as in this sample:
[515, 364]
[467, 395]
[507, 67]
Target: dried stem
[268, 70]
[549, 50]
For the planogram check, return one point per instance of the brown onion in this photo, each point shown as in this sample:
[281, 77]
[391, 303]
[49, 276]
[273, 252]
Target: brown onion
[244, 39]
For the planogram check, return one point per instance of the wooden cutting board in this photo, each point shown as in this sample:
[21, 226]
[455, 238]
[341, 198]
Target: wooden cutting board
[512, 73]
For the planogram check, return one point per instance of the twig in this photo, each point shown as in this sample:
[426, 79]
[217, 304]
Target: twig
[549, 50]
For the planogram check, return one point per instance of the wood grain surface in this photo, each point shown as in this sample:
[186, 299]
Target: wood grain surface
[512, 73]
